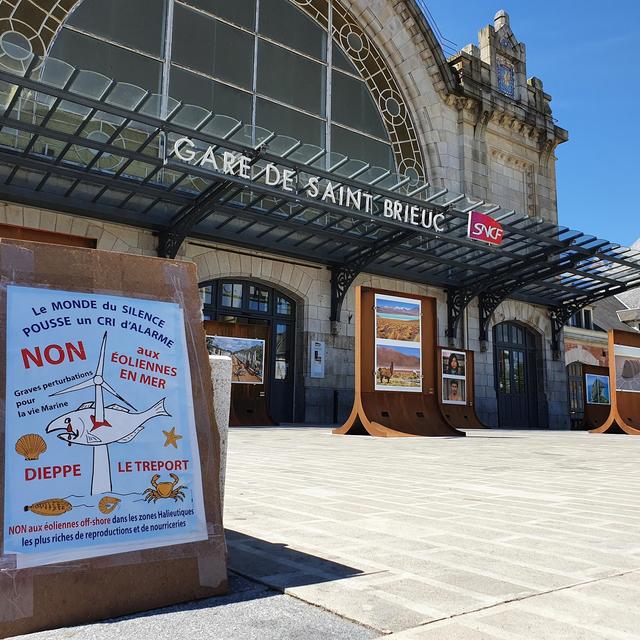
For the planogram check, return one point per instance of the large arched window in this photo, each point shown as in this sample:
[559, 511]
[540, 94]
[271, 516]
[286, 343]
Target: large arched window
[264, 62]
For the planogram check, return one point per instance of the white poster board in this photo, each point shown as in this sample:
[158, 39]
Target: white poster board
[316, 358]
[454, 377]
[627, 360]
[101, 449]
[398, 343]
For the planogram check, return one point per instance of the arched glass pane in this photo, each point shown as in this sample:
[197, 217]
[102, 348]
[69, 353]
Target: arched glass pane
[207, 52]
[282, 21]
[301, 126]
[111, 60]
[136, 24]
[229, 55]
[291, 78]
[354, 106]
[356, 145]
[215, 96]
[240, 12]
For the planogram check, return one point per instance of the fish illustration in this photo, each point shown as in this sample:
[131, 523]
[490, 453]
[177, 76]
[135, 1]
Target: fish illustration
[94, 425]
[117, 424]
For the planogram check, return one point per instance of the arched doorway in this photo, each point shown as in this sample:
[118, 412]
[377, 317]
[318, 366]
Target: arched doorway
[247, 302]
[516, 376]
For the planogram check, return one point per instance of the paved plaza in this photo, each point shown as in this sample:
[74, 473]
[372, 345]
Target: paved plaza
[503, 534]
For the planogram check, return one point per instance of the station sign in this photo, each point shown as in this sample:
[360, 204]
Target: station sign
[315, 187]
[484, 228]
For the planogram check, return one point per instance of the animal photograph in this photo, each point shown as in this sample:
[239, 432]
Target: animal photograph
[597, 389]
[247, 357]
[397, 319]
[398, 368]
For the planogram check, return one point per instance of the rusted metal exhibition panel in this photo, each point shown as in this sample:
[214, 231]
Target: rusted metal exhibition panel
[624, 375]
[395, 386]
[456, 387]
[597, 396]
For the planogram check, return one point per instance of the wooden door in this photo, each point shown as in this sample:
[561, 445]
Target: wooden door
[249, 398]
[516, 376]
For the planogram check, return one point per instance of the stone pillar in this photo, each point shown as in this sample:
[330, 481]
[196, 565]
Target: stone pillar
[221, 381]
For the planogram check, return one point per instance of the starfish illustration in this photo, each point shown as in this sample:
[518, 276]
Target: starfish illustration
[172, 438]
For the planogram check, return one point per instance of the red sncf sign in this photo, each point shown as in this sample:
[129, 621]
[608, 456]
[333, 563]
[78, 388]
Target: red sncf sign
[484, 228]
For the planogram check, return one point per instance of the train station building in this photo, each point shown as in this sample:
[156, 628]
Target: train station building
[294, 149]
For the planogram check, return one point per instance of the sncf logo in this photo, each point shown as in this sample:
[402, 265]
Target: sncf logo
[484, 228]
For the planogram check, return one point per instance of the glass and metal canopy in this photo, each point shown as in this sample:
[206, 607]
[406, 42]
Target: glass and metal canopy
[79, 142]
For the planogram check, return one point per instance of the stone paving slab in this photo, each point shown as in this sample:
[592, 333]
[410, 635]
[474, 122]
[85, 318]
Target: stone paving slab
[502, 534]
[250, 612]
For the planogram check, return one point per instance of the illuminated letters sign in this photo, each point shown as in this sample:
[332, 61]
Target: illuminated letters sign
[484, 228]
[313, 187]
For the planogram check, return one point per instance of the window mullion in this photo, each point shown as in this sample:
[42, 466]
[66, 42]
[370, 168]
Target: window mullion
[168, 45]
[329, 81]
[254, 85]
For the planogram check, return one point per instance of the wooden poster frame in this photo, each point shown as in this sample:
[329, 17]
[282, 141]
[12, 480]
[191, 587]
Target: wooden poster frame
[457, 415]
[625, 405]
[394, 413]
[95, 588]
[595, 415]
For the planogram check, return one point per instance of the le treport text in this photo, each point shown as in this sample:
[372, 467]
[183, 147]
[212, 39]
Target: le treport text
[127, 466]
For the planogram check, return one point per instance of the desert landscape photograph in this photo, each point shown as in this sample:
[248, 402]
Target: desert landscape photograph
[397, 319]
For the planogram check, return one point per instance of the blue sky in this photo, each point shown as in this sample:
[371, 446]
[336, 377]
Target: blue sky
[585, 54]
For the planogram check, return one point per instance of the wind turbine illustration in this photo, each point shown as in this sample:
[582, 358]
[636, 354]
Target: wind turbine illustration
[94, 425]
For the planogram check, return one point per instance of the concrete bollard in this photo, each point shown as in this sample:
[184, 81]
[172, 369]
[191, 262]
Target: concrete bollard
[221, 382]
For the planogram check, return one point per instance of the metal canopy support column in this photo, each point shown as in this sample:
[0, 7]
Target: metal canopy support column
[343, 275]
[174, 235]
[458, 300]
[489, 299]
[559, 317]
[488, 302]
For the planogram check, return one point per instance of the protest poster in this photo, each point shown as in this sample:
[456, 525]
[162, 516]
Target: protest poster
[100, 439]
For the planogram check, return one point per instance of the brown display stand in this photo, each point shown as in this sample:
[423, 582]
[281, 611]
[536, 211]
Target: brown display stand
[595, 415]
[457, 415]
[394, 413]
[625, 405]
[249, 402]
[72, 593]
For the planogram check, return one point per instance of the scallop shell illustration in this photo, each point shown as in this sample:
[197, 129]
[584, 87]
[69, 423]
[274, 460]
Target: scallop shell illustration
[31, 446]
[108, 504]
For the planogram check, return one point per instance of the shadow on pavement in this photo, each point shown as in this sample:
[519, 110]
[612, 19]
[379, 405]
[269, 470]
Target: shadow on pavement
[278, 565]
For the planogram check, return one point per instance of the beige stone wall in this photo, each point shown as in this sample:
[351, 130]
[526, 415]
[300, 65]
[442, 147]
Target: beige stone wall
[110, 237]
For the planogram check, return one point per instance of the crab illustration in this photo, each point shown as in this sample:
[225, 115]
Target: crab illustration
[164, 489]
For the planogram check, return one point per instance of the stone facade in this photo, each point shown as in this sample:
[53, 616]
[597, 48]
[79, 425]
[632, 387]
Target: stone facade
[309, 285]
[586, 346]
[483, 129]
